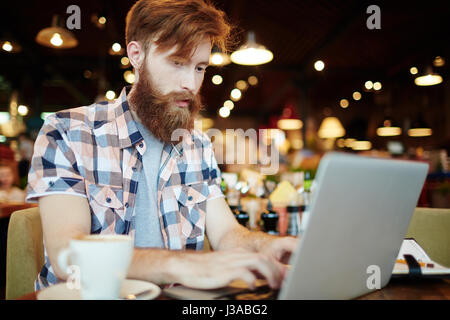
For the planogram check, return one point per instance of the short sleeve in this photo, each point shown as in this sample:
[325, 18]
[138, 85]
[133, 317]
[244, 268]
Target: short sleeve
[54, 168]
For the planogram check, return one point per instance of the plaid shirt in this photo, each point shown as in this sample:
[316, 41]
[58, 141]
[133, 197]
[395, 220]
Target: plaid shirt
[96, 152]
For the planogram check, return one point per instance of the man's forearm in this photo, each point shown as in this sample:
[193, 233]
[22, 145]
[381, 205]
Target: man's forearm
[241, 237]
[159, 266]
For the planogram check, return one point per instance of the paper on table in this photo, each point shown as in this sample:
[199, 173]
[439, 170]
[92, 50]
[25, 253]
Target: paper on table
[411, 247]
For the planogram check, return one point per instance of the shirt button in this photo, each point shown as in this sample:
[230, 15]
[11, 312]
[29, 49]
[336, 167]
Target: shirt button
[108, 200]
[141, 145]
[126, 205]
[190, 198]
[51, 183]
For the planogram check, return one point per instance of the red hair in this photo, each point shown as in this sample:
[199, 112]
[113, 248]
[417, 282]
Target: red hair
[181, 23]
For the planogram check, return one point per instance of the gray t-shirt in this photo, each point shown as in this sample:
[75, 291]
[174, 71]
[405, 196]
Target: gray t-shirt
[146, 220]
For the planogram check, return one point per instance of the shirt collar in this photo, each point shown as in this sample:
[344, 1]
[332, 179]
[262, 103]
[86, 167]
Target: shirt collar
[129, 134]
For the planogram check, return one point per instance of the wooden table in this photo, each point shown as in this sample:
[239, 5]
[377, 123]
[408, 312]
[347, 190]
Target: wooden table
[397, 289]
[412, 289]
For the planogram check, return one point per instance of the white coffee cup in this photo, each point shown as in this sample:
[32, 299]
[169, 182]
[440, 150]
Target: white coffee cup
[102, 262]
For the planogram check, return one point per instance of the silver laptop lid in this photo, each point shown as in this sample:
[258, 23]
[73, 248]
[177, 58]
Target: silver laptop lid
[361, 209]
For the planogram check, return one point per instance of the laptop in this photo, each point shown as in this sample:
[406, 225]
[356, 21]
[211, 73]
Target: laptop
[360, 211]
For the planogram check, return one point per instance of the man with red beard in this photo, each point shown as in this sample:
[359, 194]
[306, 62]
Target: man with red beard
[135, 165]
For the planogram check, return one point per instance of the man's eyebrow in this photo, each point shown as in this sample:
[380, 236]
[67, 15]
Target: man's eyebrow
[204, 62]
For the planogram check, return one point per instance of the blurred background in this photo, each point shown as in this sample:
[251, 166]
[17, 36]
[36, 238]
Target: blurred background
[329, 75]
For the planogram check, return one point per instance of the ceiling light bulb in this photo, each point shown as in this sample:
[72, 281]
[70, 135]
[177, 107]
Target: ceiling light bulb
[368, 85]
[129, 77]
[7, 46]
[56, 40]
[439, 61]
[224, 112]
[217, 79]
[377, 86]
[319, 65]
[252, 80]
[219, 58]
[87, 74]
[229, 104]
[241, 85]
[216, 59]
[236, 94]
[344, 103]
[102, 20]
[413, 70]
[22, 110]
[116, 47]
[356, 95]
[124, 61]
[110, 95]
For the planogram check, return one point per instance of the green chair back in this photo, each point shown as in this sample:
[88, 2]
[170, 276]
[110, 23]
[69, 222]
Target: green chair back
[24, 252]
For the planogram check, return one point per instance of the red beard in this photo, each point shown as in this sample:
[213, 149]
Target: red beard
[159, 113]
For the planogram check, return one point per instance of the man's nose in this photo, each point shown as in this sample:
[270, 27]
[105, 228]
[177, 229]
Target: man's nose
[188, 81]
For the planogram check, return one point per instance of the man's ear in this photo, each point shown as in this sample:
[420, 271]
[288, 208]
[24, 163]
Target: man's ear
[135, 53]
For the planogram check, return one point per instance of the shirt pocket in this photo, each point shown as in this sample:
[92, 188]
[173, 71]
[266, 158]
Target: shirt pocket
[106, 203]
[192, 204]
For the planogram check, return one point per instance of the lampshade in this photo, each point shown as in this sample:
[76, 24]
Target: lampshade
[218, 58]
[361, 145]
[290, 124]
[389, 128]
[331, 127]
[56, 37]
[251, 53]
[419, 128]
[289, 119]
[429, 79]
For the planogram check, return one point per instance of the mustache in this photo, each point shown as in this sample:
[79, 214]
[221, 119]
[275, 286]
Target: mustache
[177, 96]
[173, 97]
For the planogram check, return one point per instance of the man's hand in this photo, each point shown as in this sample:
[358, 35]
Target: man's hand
[218, 269]
[280, 248]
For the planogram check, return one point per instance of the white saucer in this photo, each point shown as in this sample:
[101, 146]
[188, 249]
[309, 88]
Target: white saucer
[62, 292]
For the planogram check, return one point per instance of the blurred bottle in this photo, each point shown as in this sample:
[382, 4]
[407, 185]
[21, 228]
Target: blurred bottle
[252, 206]
[241, 216]
[269, 220]
[294, 220]
[306, 196]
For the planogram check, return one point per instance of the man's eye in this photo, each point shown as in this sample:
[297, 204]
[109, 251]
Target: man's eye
[201, 69]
